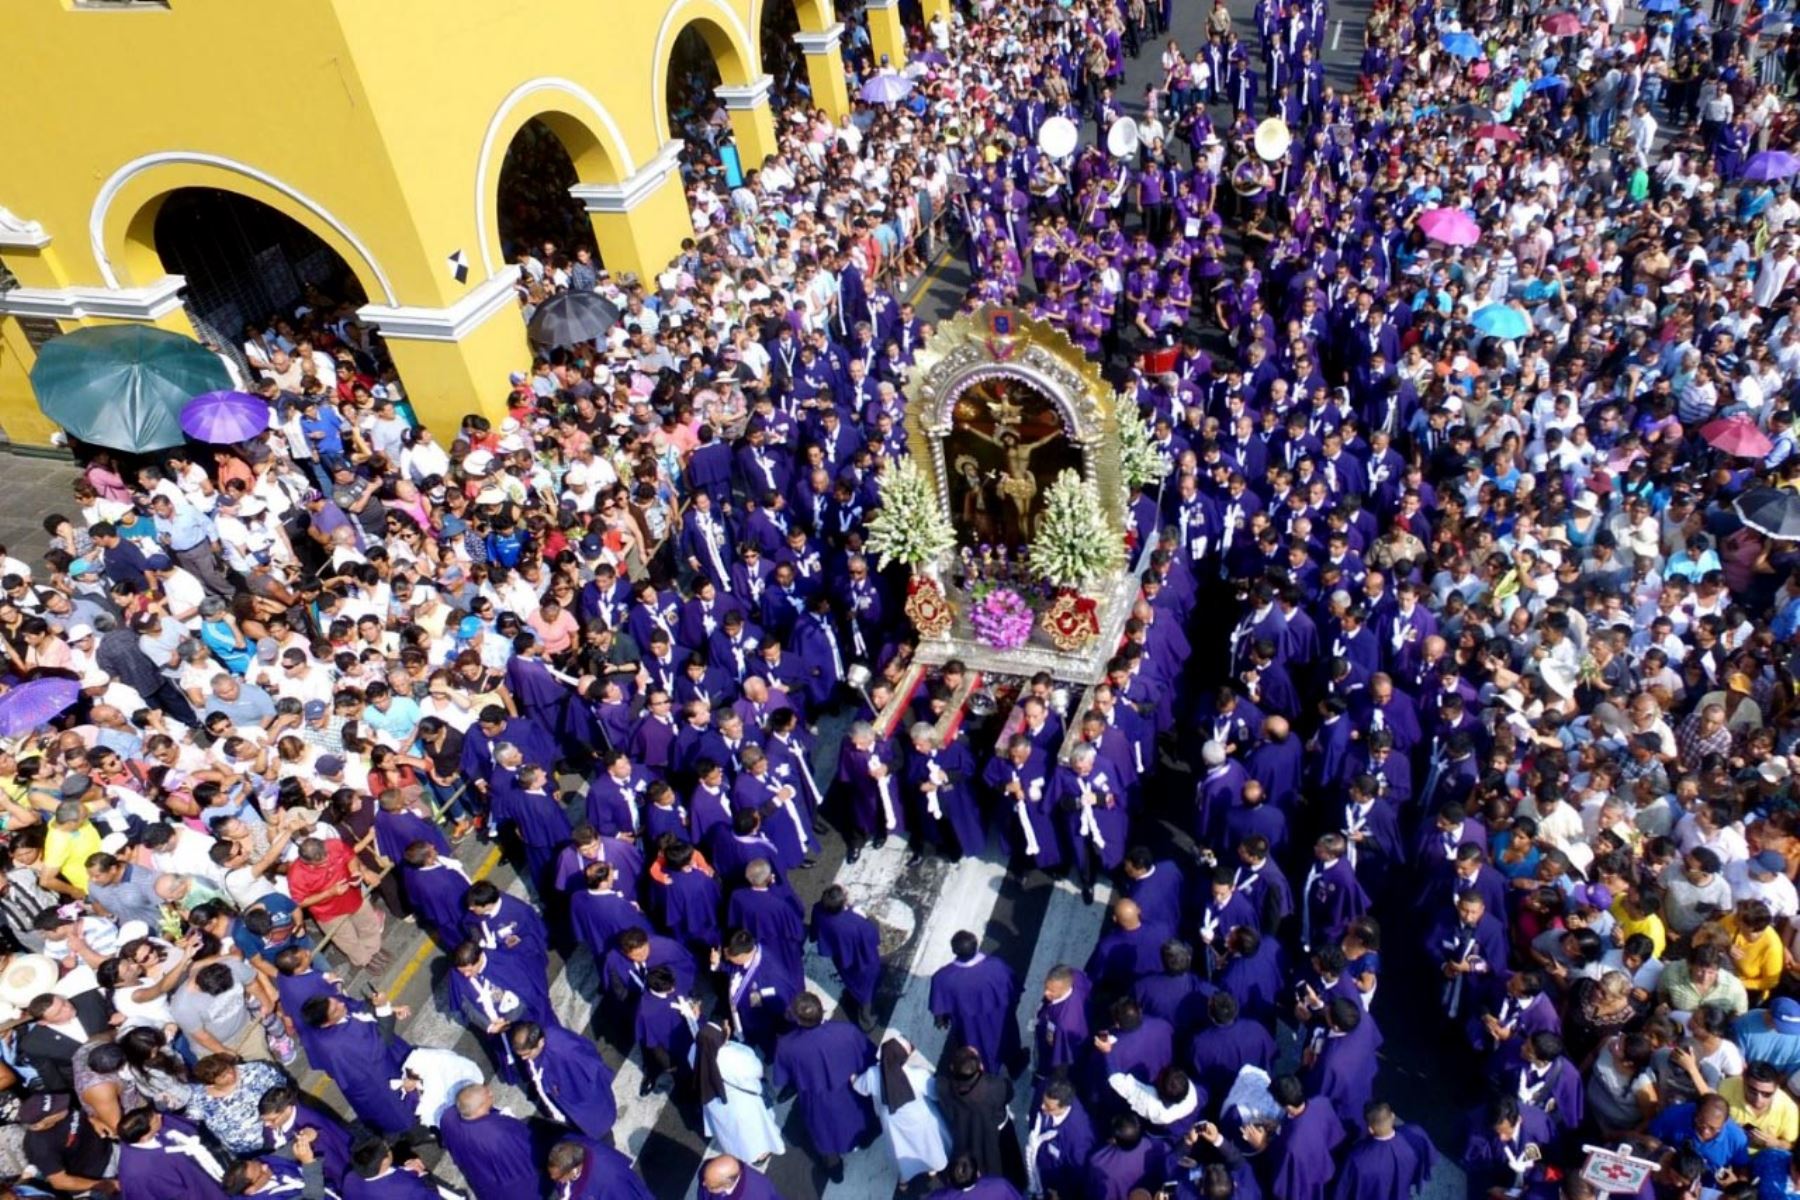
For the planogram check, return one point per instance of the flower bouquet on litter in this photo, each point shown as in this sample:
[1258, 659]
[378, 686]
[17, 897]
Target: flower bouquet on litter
[1001, 618]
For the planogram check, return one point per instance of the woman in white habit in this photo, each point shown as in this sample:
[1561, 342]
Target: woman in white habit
[738, 1117]
[904, 1090]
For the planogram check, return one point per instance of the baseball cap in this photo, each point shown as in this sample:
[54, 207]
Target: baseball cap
[74, 787]
[1786, 1012]
[329, 764]
[591, 547]
[1771, 861]
[267, 650]
[159, 562]
[83, 566]
[316, 709]
[469, 627]
[79, 631]
[1774, 770]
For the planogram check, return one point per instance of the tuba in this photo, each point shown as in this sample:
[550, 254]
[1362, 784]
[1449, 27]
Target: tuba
[1122, 139]
[1272, 139]
[1247, 177]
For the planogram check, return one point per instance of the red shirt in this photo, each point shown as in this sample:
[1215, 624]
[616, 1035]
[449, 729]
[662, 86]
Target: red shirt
[308, 879]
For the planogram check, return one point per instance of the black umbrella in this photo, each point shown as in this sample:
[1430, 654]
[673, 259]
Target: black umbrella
[571, 317]
[1773, 511]
[1472, 112]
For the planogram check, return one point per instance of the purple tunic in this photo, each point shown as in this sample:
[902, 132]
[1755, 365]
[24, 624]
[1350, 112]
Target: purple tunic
[395, 831]
[1302, 1164]
[155, 1170]
[363, 1061]
[1377, 1169]
[820, 1063]
[980, 998]
[607, 1175]
[436, 895]
[571, 1077]
[775, 918]
[495, 1153]
[853, 944]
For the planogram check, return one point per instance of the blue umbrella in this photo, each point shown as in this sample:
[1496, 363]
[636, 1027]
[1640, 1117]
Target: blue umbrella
[31, 704]
[1501, 321]
[886, 89]
[1547, 82]
[1661, 6]
[1770, 165]
[1462, 45]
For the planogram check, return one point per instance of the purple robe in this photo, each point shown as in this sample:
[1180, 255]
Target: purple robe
[571, 1079]
[990, 1188]
[551, 704]
[1344, 1073]
[154, 1170]
[606, 1175]
[625, 859]
[759, 993]
[331, 1143]
[820, 1063]
[503, 989]
[1377, 1169]
[690, 907]
[623, 978]
[397, 1183]
[363, 1061]
[1302, 1166]
[495, 1153]
[1334, 898]
[436, 896]
[599, 917]
[1218, 1053]
[1484, 1157]
[1027, 822]
[514, 930]
[1062, 1158]
[395, 831]
[1113, 1173]
[775, 917]
[979, 997]
[1104, 835]
[853, 944]
[1059, 1032]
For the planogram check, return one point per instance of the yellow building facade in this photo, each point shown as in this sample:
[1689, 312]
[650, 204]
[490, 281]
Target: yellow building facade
[379, 126]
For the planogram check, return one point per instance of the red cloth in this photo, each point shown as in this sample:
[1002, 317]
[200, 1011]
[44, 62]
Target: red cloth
[308, 879]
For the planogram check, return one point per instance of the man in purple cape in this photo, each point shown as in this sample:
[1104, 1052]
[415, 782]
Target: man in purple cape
[1178, 996]
[1547, 1080]
[1468, 946]
[944, 810]
[571, 1083]
[297, 981]
[398, 825]
[725, 1178]
[435, 887]
[964, 1182]
[598, 913]
[586, 847]
[527, 803]
[363, 1056]
[664, 1028]
[1058, 1142]
[690, 900]
[615, 795]
[1495, 1154]
[1129, 1159]
[506, 925]
[632, 957]
[1220, 1051]
[1333, 897]
[1021, 777]
[772, 914]
[495, 1152]
[853, 944]
[286, 1114]
[585, 1169]
[1128, 951]
[162, 1158]
[974, 997]
[376, 1176]
[819, 1058]
[1342, 1066]
[1381, 1166]
[1253, 972]
[548, 702]
[1133, 1044]
[758, 991]
[493, 992]
[492, 728]
[1298, 1164]
[869, 777]
[1059, 1033]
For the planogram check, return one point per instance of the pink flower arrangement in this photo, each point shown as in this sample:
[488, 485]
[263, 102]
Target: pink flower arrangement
[1002, 619]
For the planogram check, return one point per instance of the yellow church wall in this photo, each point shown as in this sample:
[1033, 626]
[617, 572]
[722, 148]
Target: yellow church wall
[379, 125]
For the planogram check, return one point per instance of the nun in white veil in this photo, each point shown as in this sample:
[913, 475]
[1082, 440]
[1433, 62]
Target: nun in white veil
[738, 1117]
[904, 1090]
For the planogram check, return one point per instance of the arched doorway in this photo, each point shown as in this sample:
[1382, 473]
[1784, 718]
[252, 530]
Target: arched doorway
[259, 279]
[781, 57]
[692, 78]
[536, 212]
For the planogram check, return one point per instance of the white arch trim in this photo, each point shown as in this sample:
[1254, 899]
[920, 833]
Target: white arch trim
[137, 166]
[627, 166]
[659, 98]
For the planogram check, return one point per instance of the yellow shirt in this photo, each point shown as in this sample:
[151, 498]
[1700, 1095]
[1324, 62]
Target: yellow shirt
[68, 852]
[1760, 967]
[1781, 1120]
[1650, 926]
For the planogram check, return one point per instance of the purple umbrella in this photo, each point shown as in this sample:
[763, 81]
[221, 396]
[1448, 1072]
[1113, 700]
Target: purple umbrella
[886, 89]
[31, 704]
[222, 418]
[1770, 165]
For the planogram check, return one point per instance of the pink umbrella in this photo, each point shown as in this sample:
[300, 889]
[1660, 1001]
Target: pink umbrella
[1562, 24]
[1737, 436]
[1451, 226]
[1497, 133]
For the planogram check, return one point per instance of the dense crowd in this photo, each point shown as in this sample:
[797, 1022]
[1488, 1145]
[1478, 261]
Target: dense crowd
[1495, 755]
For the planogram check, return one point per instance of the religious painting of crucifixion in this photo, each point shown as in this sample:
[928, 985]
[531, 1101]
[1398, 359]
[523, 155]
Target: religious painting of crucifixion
[1008, 441]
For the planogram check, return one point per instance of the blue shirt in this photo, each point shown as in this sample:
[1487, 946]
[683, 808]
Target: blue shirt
[1762, 1044]
[186, 528]
[1674, 1126]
